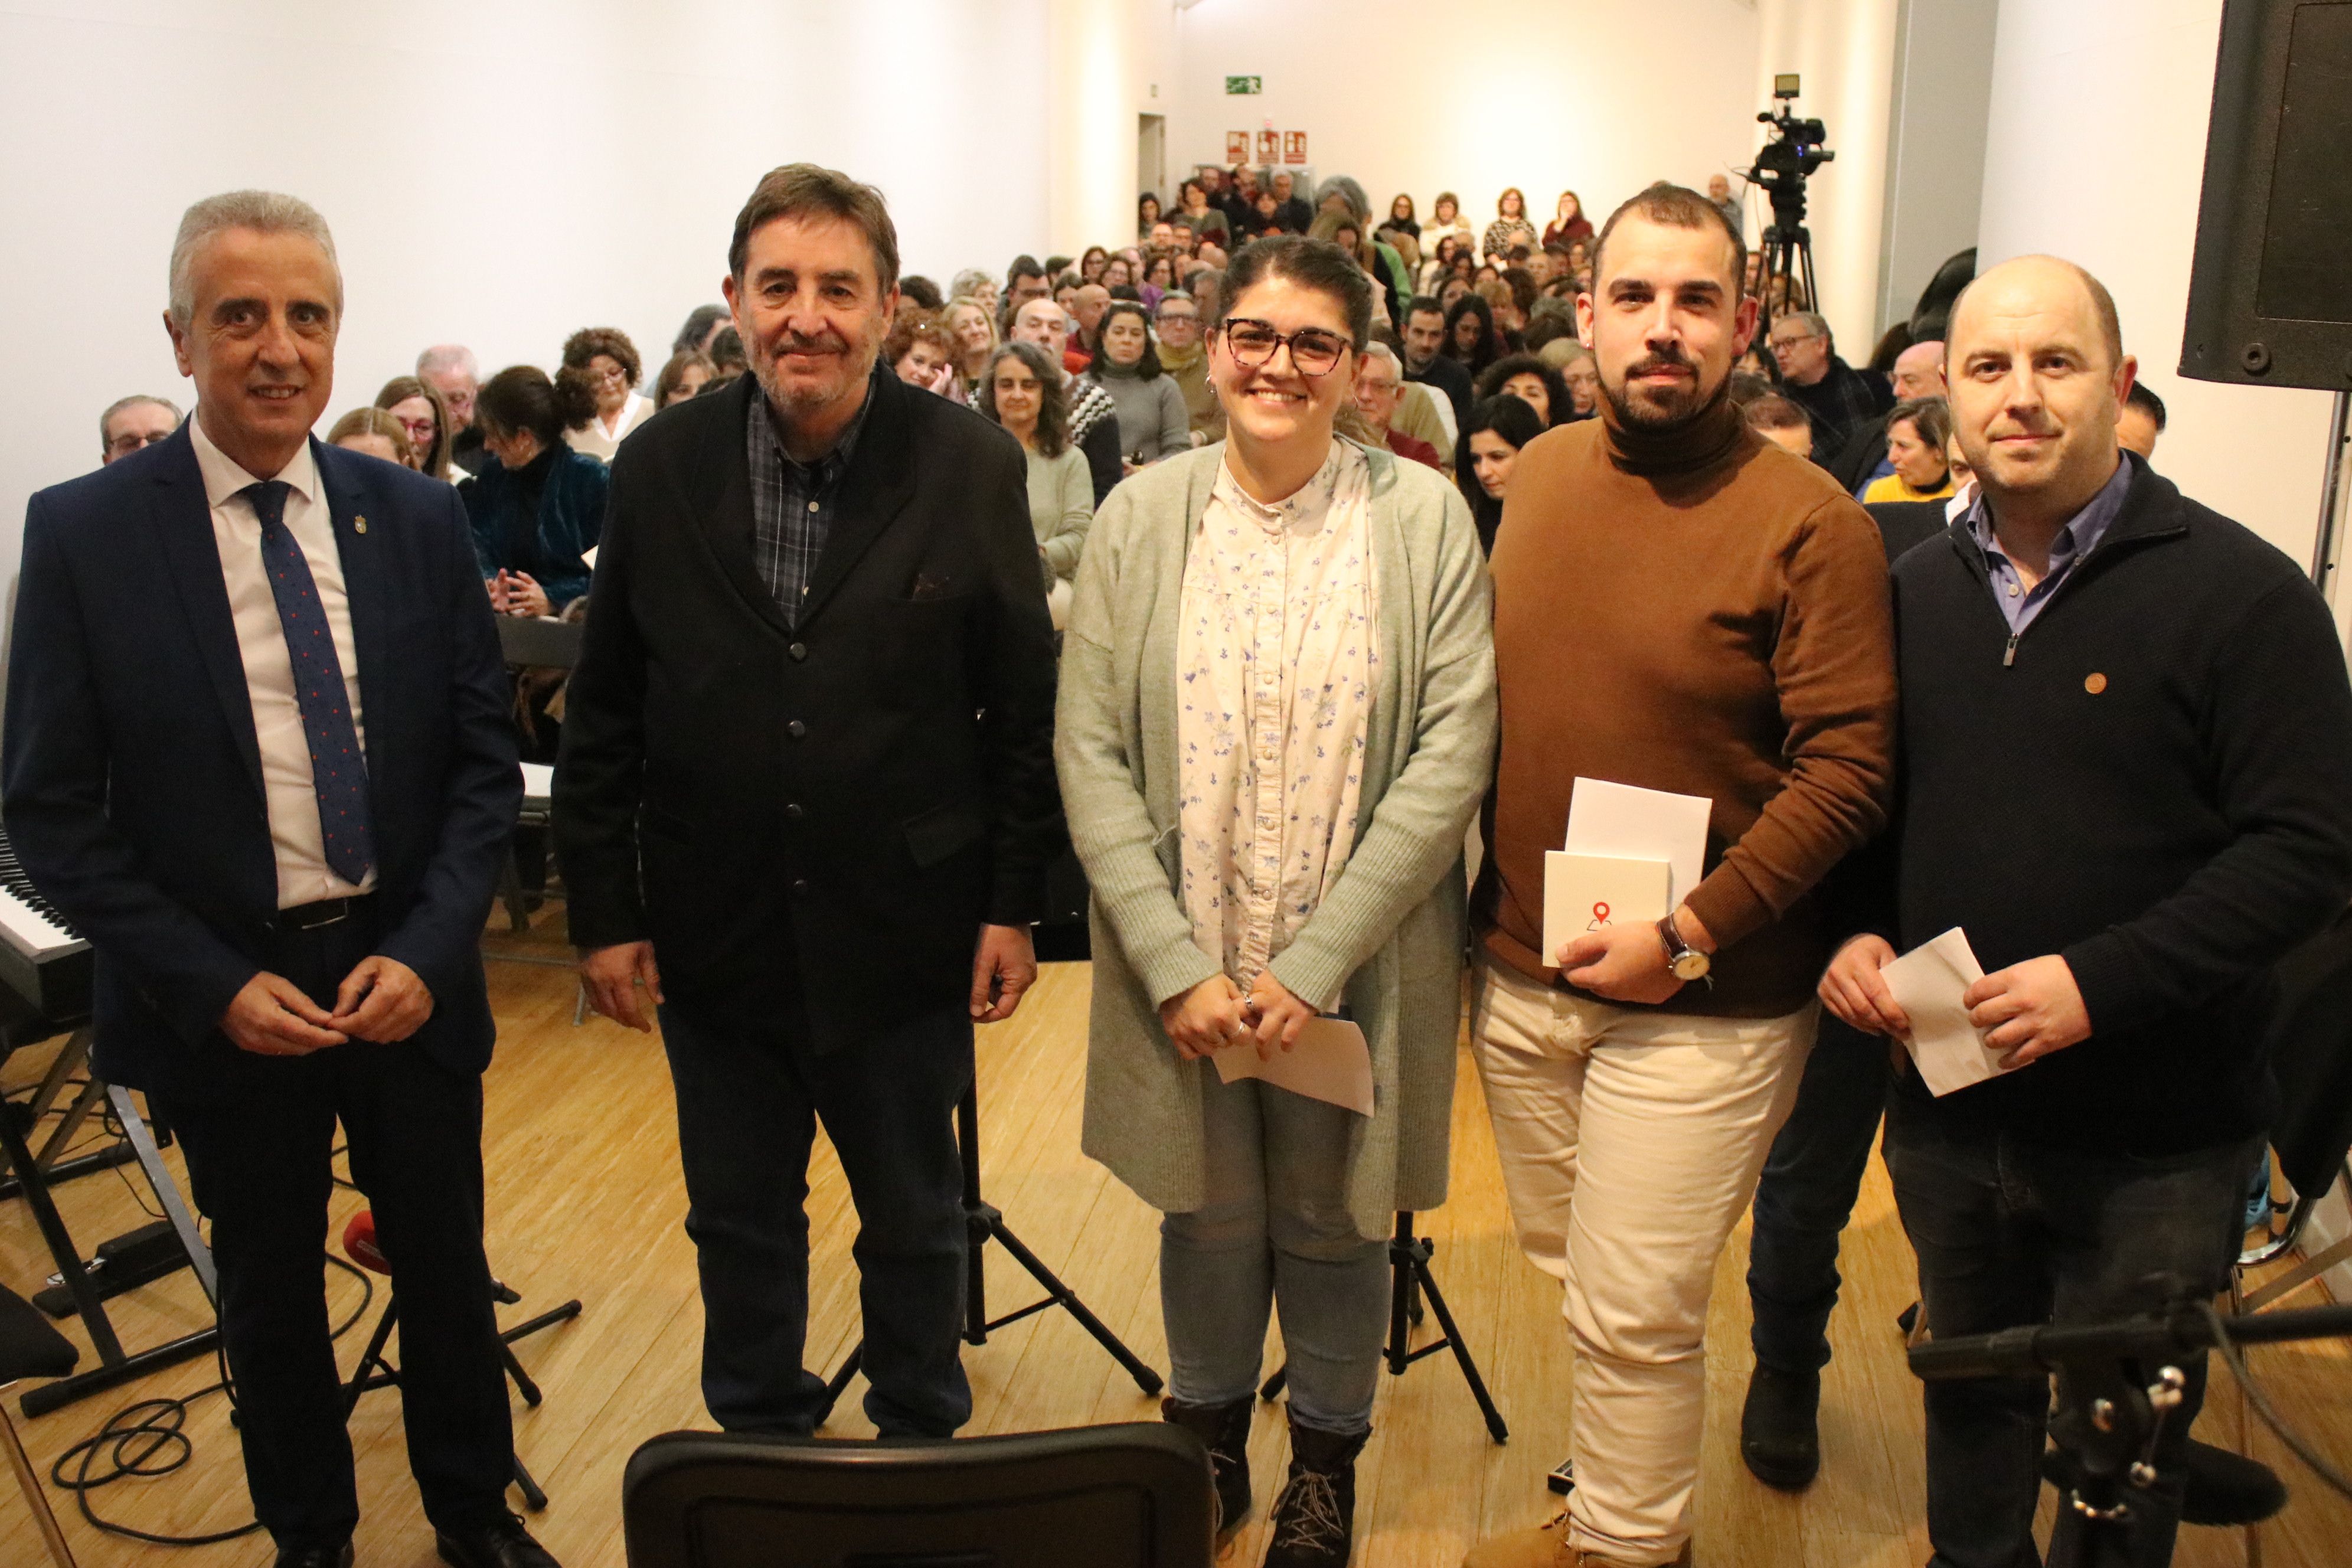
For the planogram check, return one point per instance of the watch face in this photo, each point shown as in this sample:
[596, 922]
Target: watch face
[1691, 967]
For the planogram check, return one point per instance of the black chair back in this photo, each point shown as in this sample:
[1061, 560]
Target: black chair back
[1128, 1496]
[537, 641]
[29, 1347]
[2311, 1055]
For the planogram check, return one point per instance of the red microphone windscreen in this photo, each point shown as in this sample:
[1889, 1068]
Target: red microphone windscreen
[358, 1243]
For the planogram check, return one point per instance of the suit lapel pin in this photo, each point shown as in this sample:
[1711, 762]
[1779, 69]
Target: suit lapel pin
[359, 525]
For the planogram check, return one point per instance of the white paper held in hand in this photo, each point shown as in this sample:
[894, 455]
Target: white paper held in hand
[1622, 822]
[1330, 1061]
[1592, 892]
[1928, 983]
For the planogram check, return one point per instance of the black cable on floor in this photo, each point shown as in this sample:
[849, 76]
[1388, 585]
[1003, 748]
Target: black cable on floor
[145, 1439]
[2296, 1444]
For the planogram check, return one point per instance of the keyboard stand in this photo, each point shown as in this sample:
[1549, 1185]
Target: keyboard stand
[69, 1060]
[34, 1178]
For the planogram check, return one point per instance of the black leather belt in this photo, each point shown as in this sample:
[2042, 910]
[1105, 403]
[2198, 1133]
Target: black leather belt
[325, 912]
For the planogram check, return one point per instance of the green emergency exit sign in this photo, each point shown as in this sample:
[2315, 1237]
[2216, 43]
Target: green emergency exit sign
[1242, 86]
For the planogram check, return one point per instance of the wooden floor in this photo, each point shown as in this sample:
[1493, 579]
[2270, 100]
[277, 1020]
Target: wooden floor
[585, 1200]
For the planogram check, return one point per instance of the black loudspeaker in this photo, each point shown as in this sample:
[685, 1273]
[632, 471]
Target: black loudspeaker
[2270, 297]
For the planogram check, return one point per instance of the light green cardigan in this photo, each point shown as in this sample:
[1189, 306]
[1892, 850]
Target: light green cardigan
[1387, 939]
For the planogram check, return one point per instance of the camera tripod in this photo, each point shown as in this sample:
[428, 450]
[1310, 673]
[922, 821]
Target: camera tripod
[1787, 249]
[2107, 1420]
[984, 1222]
[1410, 1280]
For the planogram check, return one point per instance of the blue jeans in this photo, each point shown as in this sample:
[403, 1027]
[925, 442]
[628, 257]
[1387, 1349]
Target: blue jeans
[2010, 1233]
[1807, 1194]
[1276, 1228]
[748, 1106]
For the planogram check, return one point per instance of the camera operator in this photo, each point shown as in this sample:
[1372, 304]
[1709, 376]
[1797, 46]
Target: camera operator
[2130, 830]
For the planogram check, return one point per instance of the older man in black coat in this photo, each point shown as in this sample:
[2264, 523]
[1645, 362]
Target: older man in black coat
[807, 797]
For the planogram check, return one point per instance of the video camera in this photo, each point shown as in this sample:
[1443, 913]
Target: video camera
[1795, 151]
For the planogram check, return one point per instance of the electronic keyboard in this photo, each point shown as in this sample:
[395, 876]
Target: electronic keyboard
[44, 960]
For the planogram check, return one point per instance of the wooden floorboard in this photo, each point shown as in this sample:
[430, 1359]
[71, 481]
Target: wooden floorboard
[585, 1201]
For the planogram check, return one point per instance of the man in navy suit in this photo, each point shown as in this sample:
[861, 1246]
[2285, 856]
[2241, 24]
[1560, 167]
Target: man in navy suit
[256, 751]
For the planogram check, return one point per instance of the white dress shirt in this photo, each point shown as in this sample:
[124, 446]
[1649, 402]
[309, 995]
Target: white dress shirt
[600, 442]
[303, 876]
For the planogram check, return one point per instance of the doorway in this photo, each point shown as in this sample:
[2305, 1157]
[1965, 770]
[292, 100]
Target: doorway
[1152, 157]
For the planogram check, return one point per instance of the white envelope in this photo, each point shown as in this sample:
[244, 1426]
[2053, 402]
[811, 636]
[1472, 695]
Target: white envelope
[1330, 1061]
[1591, 892]
[1625, 822]
[1928, 983]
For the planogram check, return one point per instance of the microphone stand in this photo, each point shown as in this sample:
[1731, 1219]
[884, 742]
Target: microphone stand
[2107, 1421]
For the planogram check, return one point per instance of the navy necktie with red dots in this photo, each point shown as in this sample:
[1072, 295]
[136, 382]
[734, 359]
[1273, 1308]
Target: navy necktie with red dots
[338, 771]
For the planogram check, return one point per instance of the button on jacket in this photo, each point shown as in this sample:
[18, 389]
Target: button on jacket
[890, 746]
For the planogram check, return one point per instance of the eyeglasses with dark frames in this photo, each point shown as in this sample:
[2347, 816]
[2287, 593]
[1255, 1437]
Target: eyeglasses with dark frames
[1313, 352]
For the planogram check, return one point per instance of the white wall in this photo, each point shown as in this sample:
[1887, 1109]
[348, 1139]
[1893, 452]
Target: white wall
[2095, 152]
[1598, 96]
[497, 173]
[1936, 144]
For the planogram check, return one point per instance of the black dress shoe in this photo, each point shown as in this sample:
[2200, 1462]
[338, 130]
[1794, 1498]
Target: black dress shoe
[2227, 1488]
[1778, 1437]
[505, 1544]
[315, 1556]
[2218, 1487]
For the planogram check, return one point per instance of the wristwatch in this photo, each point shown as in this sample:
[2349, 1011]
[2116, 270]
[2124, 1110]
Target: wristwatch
[1687, 962]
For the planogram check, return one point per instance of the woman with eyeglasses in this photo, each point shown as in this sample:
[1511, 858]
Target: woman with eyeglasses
[1276, 718]
[605, 361]
[426, 418]
[1509, 229]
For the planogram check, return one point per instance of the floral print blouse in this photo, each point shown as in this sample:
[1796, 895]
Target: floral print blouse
[1274, 660]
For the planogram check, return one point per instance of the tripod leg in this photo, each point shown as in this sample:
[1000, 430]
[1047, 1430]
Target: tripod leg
[523, 1384]
[1402, 1287]
[841, 1381]
[977, 1218]
[1145, 1378]
[1495, 1426]
[372, 1358]
[533, 1498]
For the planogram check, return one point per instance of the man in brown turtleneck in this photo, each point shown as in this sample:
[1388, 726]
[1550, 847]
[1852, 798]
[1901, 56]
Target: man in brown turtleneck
[1680, 605]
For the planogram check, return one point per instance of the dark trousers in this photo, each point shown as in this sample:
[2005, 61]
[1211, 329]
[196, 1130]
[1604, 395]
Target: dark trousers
[1806, 1194]
[2009, 1233]
[259, 1162]
[748, 1106]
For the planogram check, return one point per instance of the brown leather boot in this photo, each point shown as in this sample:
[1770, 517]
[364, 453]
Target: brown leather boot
[1548, 1547]
[1223, 1430]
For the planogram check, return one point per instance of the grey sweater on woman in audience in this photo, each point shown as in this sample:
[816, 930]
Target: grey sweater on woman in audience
[1153, 421]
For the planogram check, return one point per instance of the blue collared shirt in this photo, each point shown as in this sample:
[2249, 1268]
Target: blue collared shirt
[2018, 605]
